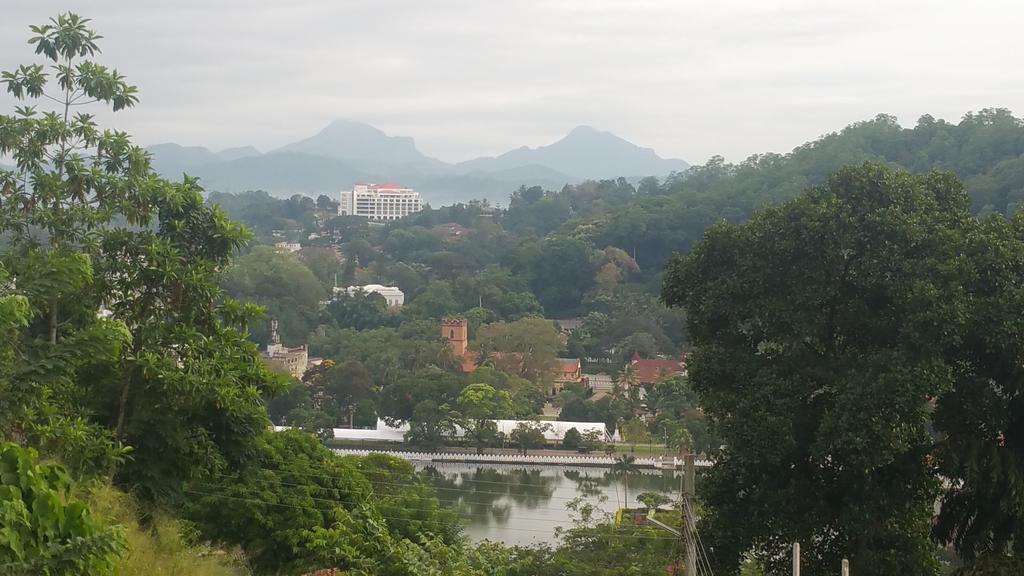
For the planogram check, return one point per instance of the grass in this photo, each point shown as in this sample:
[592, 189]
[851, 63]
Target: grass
[161, 547]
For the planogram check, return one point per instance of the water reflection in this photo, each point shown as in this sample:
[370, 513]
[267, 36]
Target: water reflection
[522, 504]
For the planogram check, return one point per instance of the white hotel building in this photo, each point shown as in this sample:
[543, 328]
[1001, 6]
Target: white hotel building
[387, 201]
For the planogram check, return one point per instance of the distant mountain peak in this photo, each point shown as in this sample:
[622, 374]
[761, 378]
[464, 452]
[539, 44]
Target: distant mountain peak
[349, 140]
[584, 152]
[585, 130]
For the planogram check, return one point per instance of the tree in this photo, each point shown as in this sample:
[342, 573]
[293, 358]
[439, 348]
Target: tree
[129, 339]
[480, 405]
[528, 347]
[46, 531]
[979, 420]
[559, 271]
[572, 440]
[282, 284]
[624, 466]
[302, 508]
[325, 264]
[652, 500]
[816, 359]
[635, 432]
[431, 425]
[529, 435]
[360, 311]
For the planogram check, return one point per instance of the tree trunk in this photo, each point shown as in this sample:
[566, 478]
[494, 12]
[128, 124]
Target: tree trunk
[53, 321]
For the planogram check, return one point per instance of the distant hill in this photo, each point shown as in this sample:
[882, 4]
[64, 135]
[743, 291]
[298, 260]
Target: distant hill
[344, 152]
[171, 160]
[584, 153]
[229, 154]
[281, 173]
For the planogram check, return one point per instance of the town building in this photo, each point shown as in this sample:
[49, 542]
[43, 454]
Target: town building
[288, 247]
[392, 295]
[294, 361]
[567, 371]
[379, 202]
[455, 333]
[649, 370]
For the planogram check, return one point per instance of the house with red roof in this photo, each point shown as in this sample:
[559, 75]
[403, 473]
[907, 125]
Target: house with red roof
[650, 370]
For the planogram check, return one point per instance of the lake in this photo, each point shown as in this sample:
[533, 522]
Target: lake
[523, 504]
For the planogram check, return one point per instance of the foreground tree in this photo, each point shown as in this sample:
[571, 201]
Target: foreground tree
[129, 339]
[821, 330]
[981, 420]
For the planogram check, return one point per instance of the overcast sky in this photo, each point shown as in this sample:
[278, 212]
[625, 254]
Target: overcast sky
[477, 77]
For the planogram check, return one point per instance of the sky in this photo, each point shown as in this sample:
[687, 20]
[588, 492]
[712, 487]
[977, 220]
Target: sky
[468, 78]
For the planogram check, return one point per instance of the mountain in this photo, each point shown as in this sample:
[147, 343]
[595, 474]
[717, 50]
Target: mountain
[171, 160]
[229, 154]
[355, 141]
[283, 174]
[584, 153]
[344, 152]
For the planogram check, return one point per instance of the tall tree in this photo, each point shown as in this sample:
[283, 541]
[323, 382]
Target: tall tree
[821, 329]
[129, 332]
[480, 405]
[981, 420]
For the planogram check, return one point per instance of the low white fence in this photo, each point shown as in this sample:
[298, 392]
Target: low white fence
[602, 461]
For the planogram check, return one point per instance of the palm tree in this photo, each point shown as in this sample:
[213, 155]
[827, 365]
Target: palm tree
[625, 465]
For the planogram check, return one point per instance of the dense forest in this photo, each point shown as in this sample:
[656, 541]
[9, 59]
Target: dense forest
[853, 338]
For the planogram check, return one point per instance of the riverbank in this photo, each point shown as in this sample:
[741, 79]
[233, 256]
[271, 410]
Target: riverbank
[547, 458]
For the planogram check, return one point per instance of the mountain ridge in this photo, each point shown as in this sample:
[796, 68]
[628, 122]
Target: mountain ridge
[345, 151]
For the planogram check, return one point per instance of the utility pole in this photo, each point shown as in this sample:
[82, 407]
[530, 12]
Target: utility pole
[846, 567]
[796, 559]
[689, 521]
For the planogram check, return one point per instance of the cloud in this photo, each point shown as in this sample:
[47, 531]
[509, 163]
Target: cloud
[468, 78]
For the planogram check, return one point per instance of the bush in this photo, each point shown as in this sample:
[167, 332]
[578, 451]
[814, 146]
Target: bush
[45, 530]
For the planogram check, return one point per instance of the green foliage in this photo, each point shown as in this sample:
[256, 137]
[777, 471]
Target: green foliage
[980, 419]
[283, 285]
[43, 530]
[821, 329]
[360, 311]
[163, 545]
[299, 508]
[480, 405]
[572, 440]
[527, 347]
[559, 272]
[529, 435]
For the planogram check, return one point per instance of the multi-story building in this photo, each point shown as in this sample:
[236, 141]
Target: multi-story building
[295, 360]
[387, 201]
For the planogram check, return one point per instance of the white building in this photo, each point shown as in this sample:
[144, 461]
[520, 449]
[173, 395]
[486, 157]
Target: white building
[295, 360]
[392, 295]
[290, 247]
[387, 201]
[555, 434]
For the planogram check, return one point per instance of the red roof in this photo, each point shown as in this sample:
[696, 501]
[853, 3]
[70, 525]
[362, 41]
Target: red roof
[649, 371]
[386, 186]
[569, 365]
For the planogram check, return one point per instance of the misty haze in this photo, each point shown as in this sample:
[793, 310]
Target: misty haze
[541, 288]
